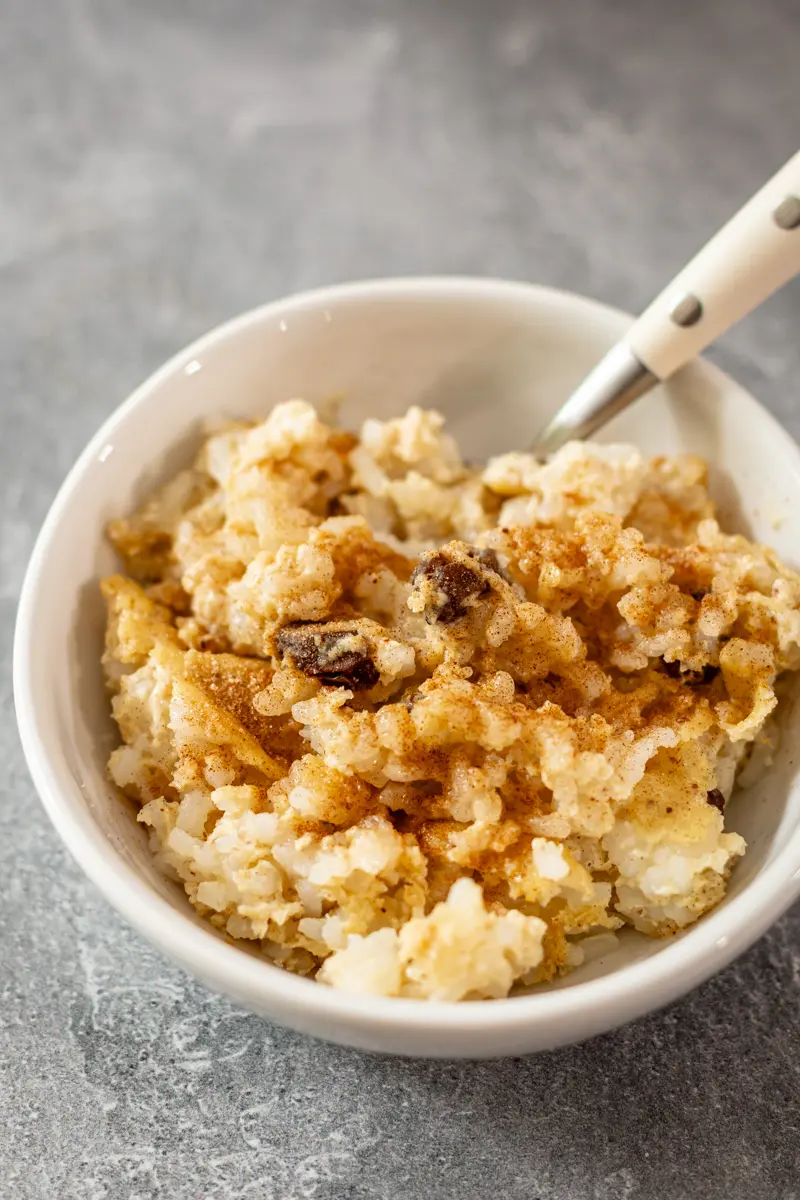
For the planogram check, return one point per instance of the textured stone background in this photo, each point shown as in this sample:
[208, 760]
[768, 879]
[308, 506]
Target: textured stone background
[164, 165]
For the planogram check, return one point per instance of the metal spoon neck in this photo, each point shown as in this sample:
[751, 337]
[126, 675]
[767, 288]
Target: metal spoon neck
[617, 380]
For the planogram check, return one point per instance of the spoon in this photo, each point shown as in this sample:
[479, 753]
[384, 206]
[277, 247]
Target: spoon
[752, 256]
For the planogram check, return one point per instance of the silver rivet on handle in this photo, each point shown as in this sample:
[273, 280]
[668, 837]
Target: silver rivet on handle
[687, 311]
[787, 214]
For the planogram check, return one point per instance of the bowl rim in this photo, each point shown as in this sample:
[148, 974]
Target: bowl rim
[622, 994]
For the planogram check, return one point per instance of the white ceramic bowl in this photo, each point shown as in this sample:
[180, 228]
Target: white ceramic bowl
[495, 358]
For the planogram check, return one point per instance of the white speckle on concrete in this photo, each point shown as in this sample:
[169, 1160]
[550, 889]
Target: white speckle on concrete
[519, 39]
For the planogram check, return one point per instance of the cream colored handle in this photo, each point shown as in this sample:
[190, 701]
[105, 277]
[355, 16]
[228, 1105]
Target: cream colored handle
[753, 255]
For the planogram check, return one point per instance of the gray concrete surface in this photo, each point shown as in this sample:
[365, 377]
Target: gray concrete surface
[164, 165]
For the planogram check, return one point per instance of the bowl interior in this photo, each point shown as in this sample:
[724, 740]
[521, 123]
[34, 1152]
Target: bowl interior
[496, 360]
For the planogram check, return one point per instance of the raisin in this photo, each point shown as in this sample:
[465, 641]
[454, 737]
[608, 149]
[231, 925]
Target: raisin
[337, 657]
[487, 558]
[693, 678]
[455, 582]
[716, 798]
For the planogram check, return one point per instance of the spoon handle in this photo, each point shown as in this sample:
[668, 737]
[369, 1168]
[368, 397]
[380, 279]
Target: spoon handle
[748, 259]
